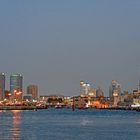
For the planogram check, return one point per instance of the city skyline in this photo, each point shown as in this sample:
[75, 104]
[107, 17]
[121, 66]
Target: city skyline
[16, 82]
[55, 44]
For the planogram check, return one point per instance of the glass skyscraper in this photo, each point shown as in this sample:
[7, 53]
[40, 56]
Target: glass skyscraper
[16, 83]
[2, 86]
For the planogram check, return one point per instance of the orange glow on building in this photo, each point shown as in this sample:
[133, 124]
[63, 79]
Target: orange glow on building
[99, 104]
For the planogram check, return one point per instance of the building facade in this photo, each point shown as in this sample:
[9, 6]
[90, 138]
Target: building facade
[2, 86]
[99, 92]
[86, 89]
[33, 91]
[16, 84]
[114, 89]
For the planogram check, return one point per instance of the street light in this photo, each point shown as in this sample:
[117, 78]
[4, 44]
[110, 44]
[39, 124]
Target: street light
[17, 94]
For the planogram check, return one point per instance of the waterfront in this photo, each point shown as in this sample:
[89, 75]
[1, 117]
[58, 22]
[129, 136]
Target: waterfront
[57, 124]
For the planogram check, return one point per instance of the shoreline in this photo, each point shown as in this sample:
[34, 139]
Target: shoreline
[36, 108]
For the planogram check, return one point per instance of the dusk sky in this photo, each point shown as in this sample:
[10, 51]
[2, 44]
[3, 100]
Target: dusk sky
[57, 43]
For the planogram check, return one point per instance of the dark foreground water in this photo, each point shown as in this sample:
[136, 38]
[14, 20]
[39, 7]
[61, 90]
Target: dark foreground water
[64, 124]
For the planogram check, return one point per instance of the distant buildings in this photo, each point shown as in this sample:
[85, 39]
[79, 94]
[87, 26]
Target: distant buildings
[2, 86]
[99, 92]
[53, 100]
[16, 83]
[86, 90]
[33, 91]
[89, 96]
[15, 93]
[114, 89]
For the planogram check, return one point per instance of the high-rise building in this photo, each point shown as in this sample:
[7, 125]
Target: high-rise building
[99, 92]
[16, 85]
[114, 89]
[33, 91]
[86, 89]
[2, 86]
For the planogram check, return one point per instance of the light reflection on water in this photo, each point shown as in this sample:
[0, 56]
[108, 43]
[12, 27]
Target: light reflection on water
[65, 124]
[10, 123]
[15, 130]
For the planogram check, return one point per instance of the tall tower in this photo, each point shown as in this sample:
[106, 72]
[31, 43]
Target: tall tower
[84, 87]
[16, 85]
[114, 89]
[2, 86]
[99, 92]
[33, 90]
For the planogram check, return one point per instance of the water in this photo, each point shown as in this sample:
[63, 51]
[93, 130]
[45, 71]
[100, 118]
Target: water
[64, 124]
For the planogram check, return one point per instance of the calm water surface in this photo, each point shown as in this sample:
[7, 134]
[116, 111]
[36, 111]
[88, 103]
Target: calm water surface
[64, 124]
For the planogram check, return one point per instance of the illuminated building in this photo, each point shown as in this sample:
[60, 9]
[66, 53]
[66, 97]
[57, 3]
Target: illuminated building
[7, 94]
[33, 91]
[114, 89]
[16, 85]
[2, 86]
[84, 87]
[86, 90]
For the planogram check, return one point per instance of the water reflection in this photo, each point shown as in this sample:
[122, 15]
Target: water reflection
[65, 124]
[16, 120]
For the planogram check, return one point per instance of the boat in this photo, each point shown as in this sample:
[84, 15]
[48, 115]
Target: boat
[58, 106]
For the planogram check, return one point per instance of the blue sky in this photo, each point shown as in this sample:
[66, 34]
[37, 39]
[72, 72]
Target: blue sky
[55, 44]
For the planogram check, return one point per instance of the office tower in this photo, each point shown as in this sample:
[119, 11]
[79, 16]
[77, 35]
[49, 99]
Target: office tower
[84, 87]
[114, 89]
[99, 92]
[33, 91]
[16, 85]
[2, 86]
